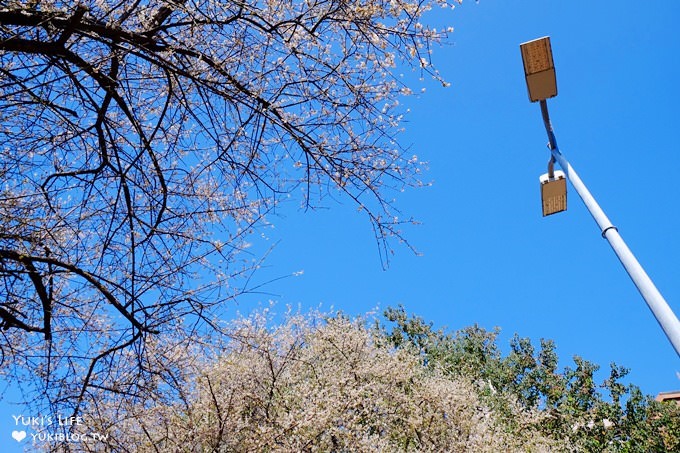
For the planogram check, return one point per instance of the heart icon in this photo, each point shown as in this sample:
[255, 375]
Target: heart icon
[18, 435]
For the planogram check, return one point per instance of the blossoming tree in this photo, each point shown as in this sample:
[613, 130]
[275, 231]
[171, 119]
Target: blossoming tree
[143, 140]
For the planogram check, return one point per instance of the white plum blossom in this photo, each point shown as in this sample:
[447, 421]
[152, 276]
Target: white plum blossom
[143, 142]
[315, 383]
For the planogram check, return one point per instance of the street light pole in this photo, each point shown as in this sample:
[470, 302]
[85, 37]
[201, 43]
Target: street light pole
[655, 301]
[539, 72]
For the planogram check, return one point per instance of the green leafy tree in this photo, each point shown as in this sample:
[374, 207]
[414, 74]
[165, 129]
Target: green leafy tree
[594, 417]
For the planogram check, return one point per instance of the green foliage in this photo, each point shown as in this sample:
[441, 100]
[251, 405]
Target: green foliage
[594, 417]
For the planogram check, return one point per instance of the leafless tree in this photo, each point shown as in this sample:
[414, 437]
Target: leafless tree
[142, 141]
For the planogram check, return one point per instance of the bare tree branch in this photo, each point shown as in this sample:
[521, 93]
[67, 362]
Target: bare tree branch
[145, 141]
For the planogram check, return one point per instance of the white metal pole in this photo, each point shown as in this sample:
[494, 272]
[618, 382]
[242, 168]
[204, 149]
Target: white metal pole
[655, 301]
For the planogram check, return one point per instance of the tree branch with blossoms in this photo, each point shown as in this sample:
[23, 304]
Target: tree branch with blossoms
[144, 141]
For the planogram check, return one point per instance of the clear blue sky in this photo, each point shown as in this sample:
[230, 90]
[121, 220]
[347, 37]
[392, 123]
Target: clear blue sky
[488, 256]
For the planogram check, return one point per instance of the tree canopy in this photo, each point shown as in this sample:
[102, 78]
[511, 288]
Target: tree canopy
[144, 141]
[330, 383]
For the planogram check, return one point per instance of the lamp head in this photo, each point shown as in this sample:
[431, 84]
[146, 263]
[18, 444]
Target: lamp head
[539, 69]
